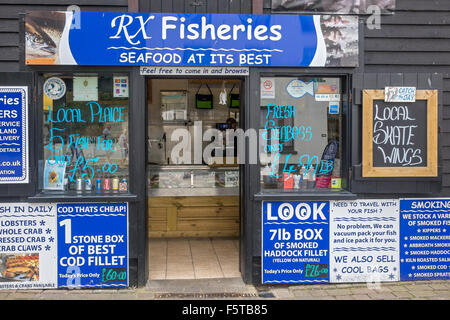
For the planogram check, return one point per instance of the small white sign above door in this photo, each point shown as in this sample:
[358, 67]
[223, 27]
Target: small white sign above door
[195, 71]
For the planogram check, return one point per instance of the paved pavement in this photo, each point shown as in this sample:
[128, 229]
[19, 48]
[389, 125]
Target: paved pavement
[234, 288]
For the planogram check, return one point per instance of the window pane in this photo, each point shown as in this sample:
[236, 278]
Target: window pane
[85, 133]
[301, 133]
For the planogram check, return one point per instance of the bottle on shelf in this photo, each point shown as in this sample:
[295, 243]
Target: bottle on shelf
[98, 184]
[79, 183]
[115, 184]
[297, 180]
[66, 183]
[123, 185]
[304, 179]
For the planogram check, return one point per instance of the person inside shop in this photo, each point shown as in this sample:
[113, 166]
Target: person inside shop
[123, 142]
[230, 124]
[106, 136]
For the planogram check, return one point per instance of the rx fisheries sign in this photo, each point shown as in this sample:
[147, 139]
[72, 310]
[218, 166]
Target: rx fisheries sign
[175, 39]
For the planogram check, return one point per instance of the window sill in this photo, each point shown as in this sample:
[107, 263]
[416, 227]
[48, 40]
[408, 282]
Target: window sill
[74, 196]
[312, 195]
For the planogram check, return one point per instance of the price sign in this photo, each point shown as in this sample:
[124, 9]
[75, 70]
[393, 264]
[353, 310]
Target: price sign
[92, 245]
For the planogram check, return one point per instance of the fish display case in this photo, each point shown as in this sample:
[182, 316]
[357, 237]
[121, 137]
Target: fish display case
[184, 180]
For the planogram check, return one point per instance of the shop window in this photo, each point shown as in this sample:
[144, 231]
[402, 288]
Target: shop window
[301, 134]
[85, 134]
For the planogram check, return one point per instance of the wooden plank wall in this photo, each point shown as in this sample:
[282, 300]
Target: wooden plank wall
[196, 6]
[416, 39]
[193, 216]
[9, 21]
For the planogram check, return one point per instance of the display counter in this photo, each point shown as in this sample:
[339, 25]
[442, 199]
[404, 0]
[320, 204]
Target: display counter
[195, 180]
[193, 201]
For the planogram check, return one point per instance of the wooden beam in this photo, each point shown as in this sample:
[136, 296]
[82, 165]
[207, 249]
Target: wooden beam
[133, 5]
[257, 6]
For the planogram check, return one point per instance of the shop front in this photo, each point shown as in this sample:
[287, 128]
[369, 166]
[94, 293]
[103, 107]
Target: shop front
[158, 146]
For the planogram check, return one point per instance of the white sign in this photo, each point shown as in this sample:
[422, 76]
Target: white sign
[54, 88]
[267, 88]
[195, 71]
[85, 88]
[28, 246]
[399, 94]
[231, 179]
[298, 88]
[328, 97]
[120, 87]
[364, 241]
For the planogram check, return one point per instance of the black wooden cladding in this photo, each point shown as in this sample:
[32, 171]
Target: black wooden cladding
[416, 39]
[196, 6]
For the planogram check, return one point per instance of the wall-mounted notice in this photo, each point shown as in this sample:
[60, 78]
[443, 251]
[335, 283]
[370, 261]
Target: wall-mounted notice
[92, 245]
[295, 242]
[13, 135]
[190, 71]
[424, 239]
[328, 97]
[364, 241]
[267, 88]
[400, 139]
[399, 94]
[28, 246]
[120, 86]
[85, 88]
[49, 245]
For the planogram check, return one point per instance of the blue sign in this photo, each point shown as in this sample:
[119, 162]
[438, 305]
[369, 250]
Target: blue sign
[92, 245]
[13, 135]
[295, 242]
[175, 39]
[424, 239]
[333, 107]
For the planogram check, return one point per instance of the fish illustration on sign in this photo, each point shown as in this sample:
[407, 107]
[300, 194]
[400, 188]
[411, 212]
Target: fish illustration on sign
[298, 88]
[42, 36]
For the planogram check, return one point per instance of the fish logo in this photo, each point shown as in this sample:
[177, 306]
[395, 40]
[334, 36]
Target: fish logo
[54, 88]
[298, 88]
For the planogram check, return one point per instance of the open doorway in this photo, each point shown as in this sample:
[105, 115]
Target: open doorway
[193, 178]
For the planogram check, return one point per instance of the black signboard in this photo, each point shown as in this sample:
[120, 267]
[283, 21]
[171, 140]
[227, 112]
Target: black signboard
[400, 138]
[399, 134]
